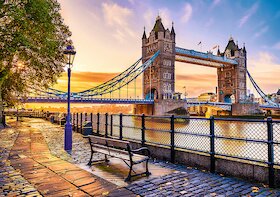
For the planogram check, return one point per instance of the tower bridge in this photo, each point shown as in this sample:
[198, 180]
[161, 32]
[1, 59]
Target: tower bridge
[159, 54]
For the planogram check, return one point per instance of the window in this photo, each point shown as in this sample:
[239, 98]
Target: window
[167, 75]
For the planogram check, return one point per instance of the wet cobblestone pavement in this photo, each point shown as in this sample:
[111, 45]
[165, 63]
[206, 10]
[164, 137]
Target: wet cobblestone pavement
[32, 165]
[192, 182]
[12, 183]
[45, 174]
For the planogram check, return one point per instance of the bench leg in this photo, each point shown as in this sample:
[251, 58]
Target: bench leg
[90, 161]
[106, 159]
[128, 178]
[147, 169]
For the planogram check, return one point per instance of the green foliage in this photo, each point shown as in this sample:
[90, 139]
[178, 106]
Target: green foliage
[32, 38]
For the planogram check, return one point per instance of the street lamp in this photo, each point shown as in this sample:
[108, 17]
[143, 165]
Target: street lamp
[185, 93]
[69, 52]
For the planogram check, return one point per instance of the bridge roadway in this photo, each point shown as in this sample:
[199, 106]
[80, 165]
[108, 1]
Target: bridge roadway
[189, 103]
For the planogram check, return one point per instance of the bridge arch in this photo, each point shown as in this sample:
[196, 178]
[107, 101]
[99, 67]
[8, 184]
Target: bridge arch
[229, 98]
[153, 94]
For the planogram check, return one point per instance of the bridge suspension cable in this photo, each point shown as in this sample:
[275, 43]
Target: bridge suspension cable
[260, 92]
[108, 87]
[119, 81]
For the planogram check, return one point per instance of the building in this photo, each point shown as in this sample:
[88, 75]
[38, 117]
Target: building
[209, 96]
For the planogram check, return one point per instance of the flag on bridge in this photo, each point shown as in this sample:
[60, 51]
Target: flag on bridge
[199, 43]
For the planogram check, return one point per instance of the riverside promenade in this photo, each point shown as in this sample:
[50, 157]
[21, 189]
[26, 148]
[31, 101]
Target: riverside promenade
[33, 163]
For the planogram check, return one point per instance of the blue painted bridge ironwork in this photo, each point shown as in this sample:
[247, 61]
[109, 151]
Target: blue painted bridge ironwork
[87, 100]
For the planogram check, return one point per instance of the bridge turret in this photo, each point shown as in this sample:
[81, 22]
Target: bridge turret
[158, 82]
[232, 78]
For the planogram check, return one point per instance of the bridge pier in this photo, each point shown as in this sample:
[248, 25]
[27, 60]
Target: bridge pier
[162, 107]
[243, 109]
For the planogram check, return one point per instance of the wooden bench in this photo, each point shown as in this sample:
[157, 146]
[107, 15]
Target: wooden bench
[119, 149]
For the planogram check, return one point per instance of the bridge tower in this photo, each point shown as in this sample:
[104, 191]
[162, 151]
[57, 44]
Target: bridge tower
[232, 79]
[159, 79]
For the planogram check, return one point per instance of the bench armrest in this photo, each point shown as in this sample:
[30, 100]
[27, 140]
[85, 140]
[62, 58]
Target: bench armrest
[142, 149]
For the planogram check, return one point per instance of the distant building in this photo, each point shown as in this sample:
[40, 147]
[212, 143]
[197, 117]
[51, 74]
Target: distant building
[275, 96]
[209, 96]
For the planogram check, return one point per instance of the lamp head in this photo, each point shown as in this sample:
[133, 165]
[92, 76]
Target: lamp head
[70, 53]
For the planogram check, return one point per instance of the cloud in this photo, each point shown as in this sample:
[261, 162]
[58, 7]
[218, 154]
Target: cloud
[248, 14]
[165, 16]
[265, 70]
[83, 80]
[117, 18]
[261, 31]
[197, 77]
[209, 23]
[187, 13]
[277, 46]
[215, 3]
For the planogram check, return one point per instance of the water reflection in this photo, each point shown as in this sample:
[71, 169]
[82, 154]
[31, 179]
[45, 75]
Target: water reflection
[158, 131]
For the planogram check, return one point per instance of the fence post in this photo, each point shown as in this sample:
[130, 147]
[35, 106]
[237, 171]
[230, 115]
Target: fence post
[270, 152]
[98, 119]
[91, 117]
[85, 116]
[121, 126]
[212, 144]
[106, 125]
[4, 120]
[143, 140]
[111, 125]
[81, 123]
[172, 140]
[77, 122]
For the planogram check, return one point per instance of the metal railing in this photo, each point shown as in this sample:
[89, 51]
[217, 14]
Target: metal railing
[245, 140]
[256, 141]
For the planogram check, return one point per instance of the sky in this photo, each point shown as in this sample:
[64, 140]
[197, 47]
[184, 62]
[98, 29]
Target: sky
[107, 37]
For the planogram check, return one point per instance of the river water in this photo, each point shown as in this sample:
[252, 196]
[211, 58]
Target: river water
[158, 131]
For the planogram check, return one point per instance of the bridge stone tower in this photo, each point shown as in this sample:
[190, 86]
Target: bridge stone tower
[232, 79]
[159, 79]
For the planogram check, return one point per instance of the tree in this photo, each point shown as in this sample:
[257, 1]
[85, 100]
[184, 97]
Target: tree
[32, 38]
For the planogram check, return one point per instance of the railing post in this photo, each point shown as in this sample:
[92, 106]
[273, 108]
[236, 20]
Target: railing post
[4, 120]
[91, 118]
[106, 125]
[77, 122]
[212, 144]
[121, 126]
[143, 140]
[85, 116]
[81, 123]
[98, 122]
[172, 140]
[270, 152]
[111, 125]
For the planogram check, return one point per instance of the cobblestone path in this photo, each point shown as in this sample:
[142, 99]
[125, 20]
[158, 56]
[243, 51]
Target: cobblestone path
[47, 175]
[35, 171]
[191, 182]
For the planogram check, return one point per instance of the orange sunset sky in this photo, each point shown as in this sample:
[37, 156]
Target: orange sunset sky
[107, 37]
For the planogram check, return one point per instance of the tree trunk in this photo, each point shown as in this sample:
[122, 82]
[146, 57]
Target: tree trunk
[1, 106]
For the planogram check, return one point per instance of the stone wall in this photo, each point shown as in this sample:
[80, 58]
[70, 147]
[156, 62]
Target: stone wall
[245, 109]
[229, 167]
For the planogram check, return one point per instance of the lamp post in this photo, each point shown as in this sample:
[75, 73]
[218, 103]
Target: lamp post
[69, 52]
[185, 92]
